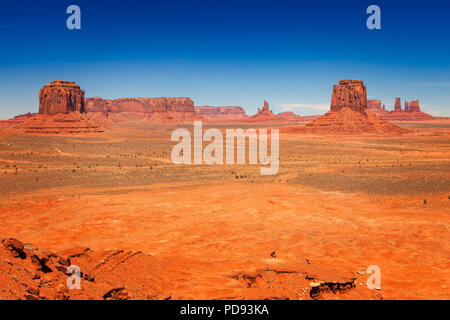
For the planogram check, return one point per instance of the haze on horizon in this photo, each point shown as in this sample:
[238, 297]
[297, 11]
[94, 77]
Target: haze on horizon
[225, 53]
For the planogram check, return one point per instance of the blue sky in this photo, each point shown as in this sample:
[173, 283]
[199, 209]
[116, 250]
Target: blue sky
[241, 52]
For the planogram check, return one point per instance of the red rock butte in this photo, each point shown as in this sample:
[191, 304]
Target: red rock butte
[350, 94]
[61, 97]
[221, 113]
[61, 111]
[348, 114]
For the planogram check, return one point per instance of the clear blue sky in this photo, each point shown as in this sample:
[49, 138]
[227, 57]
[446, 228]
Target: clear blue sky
[227, 52]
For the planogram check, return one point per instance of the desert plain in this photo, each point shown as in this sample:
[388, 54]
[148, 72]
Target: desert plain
[141, 227]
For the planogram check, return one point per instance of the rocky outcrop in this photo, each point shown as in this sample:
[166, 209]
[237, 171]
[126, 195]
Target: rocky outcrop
[31, 273]
[264, 114]
[137, 109]
[411, 112]
[140, 105]
[289, 116]
[349, 114]
[221, 113]
[67, 123]
[347, 121]
[414, 106]
[61, 97]
[61, 111]
[398, 104]
[350, 94]
[374, 104]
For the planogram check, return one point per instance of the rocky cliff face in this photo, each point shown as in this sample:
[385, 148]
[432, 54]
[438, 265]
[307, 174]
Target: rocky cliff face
[137, 109]
[264, 114]
[221, 113]
[141, 105]
[351, 94]
[61, 97]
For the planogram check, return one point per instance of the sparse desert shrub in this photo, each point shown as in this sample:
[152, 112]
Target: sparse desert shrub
[424, 201]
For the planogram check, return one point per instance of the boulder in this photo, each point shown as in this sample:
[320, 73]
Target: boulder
[15, 246]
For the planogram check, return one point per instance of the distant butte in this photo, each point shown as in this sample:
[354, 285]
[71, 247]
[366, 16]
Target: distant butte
[221, 113]
[411, 112]
[348, 114]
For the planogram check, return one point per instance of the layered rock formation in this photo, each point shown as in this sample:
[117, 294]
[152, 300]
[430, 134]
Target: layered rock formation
[411, 112]
[138, 109]
[221, 113]
[349, 115]
[350, 94]
[61, 97]
[347, 121]
[69, 123]
[61, 111]
[41, 274]
[17, 120]
[264, 114]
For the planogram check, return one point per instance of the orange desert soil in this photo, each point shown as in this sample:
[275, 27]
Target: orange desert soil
[140, 227]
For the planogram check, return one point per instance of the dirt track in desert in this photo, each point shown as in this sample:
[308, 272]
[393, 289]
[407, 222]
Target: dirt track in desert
[337, 205]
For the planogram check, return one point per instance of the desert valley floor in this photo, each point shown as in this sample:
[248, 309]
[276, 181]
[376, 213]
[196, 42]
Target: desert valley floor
[144, 228]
